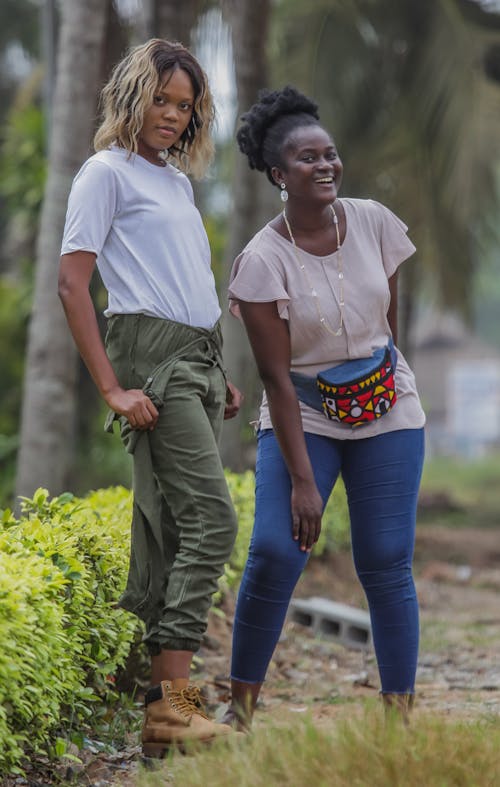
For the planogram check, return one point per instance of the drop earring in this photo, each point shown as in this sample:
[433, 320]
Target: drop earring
[284, 192]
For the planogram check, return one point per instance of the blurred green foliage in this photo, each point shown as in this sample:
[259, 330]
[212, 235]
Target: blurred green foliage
[22, 178]
[15, 302]
[215, 227]
[23, 163]
[460, 492]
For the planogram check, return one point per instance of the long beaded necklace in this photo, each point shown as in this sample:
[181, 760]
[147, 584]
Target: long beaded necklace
[340, 268]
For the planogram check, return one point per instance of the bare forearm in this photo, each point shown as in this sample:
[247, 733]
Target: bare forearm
[82, 322]
[306, 503]
[287, 423]
[75, 272]
[270, 341]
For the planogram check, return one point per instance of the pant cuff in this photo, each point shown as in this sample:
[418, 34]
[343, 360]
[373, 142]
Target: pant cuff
[154, 648]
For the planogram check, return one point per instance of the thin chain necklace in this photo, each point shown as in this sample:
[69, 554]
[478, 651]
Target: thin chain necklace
[340, 268]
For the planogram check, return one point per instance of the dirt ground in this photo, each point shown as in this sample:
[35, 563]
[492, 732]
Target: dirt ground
[458, 582]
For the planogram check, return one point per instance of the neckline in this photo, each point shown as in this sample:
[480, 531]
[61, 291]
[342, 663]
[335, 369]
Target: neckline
[143, 161]
[310, 254]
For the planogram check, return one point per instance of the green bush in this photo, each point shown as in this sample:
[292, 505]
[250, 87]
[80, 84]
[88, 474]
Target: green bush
[63, 565]
[35, 668]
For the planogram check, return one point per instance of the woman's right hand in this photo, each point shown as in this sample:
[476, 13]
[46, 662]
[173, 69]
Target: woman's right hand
[307, 509]
[133, 403]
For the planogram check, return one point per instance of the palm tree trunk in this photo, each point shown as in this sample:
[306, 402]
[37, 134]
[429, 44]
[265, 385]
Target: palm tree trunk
[48, 410]
[249, 21]
[175, 21]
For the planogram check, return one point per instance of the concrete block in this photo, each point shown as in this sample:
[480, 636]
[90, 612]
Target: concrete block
[348, 625]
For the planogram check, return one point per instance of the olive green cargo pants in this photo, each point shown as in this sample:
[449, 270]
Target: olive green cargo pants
[184, 524]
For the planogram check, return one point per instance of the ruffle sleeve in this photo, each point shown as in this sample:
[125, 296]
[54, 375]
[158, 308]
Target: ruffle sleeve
[395, 243]
[255, 280]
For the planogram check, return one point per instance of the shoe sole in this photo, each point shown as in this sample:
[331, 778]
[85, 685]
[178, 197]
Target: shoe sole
[160, 750]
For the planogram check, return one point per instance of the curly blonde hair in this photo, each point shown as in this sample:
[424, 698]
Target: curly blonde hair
[130, 92]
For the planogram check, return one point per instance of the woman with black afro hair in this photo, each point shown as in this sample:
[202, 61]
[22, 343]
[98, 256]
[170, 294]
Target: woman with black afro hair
[316, 289]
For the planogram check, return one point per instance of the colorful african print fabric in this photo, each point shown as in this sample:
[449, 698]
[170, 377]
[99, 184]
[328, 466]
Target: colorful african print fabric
[359, 392]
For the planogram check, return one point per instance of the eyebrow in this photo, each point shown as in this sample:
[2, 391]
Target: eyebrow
[164, 92]
[315, 150]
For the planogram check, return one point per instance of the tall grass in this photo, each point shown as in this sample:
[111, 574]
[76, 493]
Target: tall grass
[365, 752]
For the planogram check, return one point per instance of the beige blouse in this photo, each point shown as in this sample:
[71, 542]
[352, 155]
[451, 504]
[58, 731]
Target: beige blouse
[374, 246]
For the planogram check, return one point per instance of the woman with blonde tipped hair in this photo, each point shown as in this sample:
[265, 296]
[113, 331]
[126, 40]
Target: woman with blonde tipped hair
[160, 369]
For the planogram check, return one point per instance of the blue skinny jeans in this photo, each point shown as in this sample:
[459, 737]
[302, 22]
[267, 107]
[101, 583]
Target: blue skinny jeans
[382, 476]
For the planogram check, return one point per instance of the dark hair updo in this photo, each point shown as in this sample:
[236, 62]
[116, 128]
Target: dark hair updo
[268, 123]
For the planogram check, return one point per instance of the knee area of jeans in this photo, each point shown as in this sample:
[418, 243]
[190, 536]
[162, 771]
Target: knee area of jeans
[271, 561]
[386, 570]
[388, 583]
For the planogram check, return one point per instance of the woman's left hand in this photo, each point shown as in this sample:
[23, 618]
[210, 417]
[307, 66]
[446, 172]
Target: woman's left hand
[234, 398]
[307, 509]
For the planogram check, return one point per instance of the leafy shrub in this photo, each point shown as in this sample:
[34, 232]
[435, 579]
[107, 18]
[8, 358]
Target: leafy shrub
[63, 565]
[62, 568]
[36, 670]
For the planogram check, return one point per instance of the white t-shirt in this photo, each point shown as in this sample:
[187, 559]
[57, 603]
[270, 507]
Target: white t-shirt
[152, 249]
[375, 245]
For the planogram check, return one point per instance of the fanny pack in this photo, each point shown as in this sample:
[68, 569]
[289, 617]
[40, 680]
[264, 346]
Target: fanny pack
[354, 393]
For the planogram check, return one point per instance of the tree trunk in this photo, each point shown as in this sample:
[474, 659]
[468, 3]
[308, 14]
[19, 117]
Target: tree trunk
[249, 21]
[175, 21]
[408, 293]
[48, 410]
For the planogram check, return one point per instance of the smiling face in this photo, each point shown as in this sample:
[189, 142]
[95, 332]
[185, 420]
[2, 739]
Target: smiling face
[311, 167]
[168, 117]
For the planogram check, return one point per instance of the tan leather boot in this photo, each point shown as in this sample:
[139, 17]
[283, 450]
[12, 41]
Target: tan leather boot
[398, 705]
[174, 718]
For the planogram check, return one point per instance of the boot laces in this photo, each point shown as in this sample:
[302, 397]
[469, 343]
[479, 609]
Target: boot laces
[187, 701]
[193, 694]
